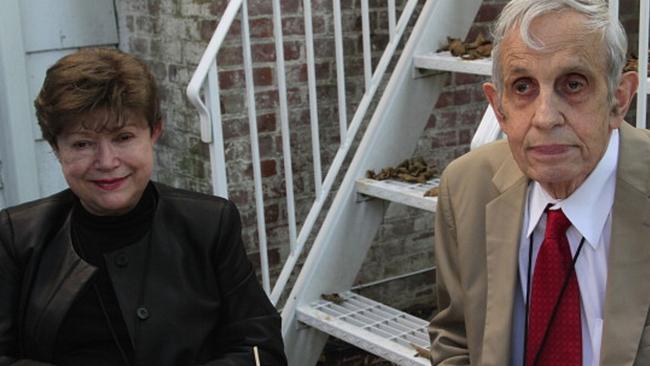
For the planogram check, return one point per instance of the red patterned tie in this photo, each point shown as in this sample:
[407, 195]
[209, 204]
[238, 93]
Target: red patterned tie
[563, 343]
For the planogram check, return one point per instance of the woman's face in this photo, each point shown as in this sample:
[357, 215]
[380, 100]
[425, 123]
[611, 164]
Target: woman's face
[107, 170]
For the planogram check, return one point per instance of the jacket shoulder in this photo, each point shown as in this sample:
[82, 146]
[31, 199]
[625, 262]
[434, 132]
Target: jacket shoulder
[194, 208]
[479, 164]
[24, 224]
[178, 196]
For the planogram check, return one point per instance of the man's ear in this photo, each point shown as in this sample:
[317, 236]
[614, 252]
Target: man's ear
[623, 95]
[492, 96]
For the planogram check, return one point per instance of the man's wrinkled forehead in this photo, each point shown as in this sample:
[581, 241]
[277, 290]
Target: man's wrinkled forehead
[550, 33]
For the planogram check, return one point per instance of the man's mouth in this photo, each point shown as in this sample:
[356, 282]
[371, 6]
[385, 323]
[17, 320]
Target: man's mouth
[551, 149]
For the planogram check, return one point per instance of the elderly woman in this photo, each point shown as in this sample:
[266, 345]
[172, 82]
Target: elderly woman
[117, 269]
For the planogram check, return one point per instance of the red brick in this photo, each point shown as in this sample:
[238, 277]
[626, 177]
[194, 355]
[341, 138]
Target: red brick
[267, 146]
[268, 168]
[266, 122]
[441, 139]
[447, 119]
[318, 6]
[217, 7]
[266, 99]
[231, 79]
[464, 136]
[230, 56]
[488, 12]
[206, 29]
[271, 213]
[471, 117]
[263, 76]
[261, 28]
[464, 79]
[292, 26]
[462, 97]
[431, 122]
[445, 99]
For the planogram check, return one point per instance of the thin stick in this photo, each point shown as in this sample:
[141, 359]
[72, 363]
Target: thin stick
[257, 356]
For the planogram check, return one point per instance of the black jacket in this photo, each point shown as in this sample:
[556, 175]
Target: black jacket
[201, 302]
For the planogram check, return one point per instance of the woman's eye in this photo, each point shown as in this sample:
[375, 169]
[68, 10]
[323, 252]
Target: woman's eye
[124, 137]
[79, 145]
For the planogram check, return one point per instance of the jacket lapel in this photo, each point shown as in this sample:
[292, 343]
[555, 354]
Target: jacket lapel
[50, 300]
[627, 295]
[504, 216]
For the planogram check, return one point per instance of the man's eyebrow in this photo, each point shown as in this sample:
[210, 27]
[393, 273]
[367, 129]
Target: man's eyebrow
[516, 70]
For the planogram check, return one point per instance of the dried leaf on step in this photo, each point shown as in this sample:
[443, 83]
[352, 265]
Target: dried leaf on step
[421, 352]
[333, 297]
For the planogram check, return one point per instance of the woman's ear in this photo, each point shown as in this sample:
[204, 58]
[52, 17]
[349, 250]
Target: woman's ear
[157, 130]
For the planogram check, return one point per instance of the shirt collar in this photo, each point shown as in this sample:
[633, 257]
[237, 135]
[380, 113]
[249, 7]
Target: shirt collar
[589, 206]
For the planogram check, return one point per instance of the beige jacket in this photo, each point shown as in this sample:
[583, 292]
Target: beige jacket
[478, 225]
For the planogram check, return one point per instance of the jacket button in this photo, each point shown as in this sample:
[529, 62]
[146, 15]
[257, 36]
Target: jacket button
[143, 313]
[121, 260]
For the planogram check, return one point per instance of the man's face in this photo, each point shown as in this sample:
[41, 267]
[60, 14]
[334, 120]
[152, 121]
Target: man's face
[108, 170]
[554, 106]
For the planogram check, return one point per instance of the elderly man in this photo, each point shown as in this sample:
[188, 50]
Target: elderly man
[542, 242]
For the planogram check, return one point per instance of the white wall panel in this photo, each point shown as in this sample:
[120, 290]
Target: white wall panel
[60, 24]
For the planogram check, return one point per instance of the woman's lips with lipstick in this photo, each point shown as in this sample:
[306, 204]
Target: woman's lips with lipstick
[109, 184]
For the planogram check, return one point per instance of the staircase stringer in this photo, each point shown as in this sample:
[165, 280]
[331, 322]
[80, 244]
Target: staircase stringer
[392, 134]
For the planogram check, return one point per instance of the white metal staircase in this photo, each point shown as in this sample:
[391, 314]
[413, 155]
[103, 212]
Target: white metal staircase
[357, 209]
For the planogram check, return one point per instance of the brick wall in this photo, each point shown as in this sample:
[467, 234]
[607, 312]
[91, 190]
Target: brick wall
[171, 36]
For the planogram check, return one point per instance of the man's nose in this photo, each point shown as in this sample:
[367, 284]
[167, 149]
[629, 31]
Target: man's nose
[106, 156]
[547, 110]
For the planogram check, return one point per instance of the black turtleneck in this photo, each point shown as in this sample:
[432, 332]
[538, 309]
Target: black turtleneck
[86, 337]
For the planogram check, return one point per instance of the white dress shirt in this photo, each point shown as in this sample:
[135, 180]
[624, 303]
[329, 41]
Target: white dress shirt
[589, 210]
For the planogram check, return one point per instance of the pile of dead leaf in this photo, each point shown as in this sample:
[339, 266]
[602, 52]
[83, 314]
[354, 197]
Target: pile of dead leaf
[481, 47]
[413, 170]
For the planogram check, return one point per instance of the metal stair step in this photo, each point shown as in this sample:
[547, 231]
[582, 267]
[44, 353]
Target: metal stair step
[396, 191]
[444, 61]
[371, 326]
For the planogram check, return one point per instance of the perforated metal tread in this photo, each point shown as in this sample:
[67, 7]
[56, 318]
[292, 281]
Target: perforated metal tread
[371, 326]
[395, 191]
[444, 61]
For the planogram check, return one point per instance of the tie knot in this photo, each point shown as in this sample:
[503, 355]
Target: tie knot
[557, 223]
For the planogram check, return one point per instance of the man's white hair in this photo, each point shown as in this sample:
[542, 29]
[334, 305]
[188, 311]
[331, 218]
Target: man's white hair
[521, 13]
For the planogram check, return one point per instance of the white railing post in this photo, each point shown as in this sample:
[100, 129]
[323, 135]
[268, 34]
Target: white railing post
[255, 149]
[217, 154]
[284, 120]
[392, 13]
[642, 94]
[340, 70]
[613, 9]
[367, 51]
[313, 106]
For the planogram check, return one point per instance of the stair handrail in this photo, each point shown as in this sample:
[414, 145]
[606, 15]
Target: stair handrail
[210, 116]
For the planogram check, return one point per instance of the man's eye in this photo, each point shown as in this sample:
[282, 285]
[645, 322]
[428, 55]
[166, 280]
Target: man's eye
[522, 86]
[574, 85]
